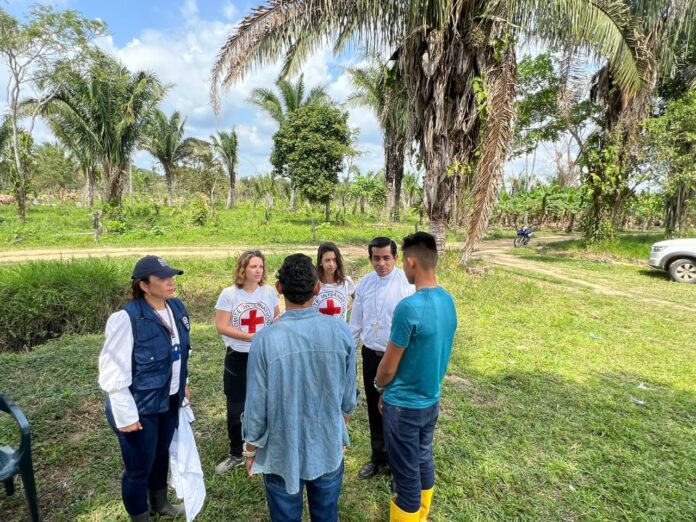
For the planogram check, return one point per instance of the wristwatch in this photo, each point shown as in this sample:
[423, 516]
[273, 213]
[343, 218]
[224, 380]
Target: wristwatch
[380, 389]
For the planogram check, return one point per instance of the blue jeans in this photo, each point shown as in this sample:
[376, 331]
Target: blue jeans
[408, 435]
[145, 455]
[322, 497]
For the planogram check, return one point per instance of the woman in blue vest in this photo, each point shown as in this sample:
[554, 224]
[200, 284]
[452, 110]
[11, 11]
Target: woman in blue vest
[143, 369]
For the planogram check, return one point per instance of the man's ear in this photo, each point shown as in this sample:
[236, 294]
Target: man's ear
[279, 288]
[317, 288]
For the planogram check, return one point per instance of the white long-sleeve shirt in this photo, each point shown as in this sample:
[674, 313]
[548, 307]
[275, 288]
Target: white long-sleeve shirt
[116, 366]
[375, 300]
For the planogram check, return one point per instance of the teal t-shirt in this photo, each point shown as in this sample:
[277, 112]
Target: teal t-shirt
[423, 324]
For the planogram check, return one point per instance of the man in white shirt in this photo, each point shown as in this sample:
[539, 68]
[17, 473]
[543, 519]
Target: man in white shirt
[376, 296]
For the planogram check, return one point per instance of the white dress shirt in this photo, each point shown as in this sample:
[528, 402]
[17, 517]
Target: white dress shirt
[116, 366]
[375, 300]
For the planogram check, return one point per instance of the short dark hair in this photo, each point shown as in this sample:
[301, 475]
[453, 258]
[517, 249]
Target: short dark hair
[325, 247]
[297, 277]
[381, 242]
[423, 247]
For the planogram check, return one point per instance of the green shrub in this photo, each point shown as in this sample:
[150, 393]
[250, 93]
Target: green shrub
[41, 300]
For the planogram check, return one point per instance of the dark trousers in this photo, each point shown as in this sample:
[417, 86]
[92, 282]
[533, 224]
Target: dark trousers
[145, 455]
[371, 360]
[235, 381]
[408, 433]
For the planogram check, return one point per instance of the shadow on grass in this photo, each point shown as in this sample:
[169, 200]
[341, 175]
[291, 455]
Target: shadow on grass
[536, 446]
[513, 445]
[658, 275]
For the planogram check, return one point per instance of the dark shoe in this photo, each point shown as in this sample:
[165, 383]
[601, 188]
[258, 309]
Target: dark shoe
[159, 505]
[142, 517]
[369, 470]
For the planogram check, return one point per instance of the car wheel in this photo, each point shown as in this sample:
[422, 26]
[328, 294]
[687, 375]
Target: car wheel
[683, 271]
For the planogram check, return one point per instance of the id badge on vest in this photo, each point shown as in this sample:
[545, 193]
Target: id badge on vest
[176, 352]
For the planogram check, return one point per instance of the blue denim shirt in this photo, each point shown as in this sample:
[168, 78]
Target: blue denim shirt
[300, 384]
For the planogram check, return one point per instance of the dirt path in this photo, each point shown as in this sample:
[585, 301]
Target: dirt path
[494, 252]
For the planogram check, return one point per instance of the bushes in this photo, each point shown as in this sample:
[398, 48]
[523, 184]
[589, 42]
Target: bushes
[44, 299]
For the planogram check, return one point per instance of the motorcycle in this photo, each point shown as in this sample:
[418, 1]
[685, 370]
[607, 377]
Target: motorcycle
[523, 236]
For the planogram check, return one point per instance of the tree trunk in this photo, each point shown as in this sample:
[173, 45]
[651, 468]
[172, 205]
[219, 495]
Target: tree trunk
[390, 157]
[395, 163]
[293, 198]
[438, 228]
[170, 184]
[327, 211]
[89, 186]
[20, 182]
[115, 184]
[232, 193]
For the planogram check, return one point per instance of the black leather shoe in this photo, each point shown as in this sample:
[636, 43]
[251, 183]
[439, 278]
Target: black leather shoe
[369, 470]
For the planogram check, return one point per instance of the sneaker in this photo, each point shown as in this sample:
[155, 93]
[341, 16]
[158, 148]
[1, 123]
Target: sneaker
[229, 463]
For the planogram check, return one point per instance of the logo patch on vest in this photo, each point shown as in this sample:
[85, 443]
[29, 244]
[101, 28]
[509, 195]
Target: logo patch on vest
[185, 320]
[251, 317]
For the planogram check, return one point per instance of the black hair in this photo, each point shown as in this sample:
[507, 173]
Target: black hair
[136, 291]
[422, 246]
[298, 277]
[381, 242]
[325, 247]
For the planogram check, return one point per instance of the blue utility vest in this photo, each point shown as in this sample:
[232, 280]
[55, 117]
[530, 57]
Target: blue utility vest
[152, 355]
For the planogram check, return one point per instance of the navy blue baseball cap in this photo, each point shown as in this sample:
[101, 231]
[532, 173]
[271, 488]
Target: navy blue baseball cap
[154, 265]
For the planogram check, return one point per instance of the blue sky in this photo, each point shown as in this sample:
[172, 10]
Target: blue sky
[179, 39]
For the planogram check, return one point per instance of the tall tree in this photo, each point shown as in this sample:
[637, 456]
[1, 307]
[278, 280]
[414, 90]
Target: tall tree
[33, 51]
[164, 139]
[279, 106]
[457, 63]
[225, 144]
[108, 109]
[665, 26]
[376, 88]
[309, 149]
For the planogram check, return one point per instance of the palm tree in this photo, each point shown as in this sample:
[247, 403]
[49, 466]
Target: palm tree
[457, 63]
[226, 144]
[164, 139]
[376, 89]
[667, 26]
[106, 108]
[291, 98]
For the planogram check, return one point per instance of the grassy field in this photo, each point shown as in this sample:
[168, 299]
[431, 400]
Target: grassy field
[560, 404]
[69, 226]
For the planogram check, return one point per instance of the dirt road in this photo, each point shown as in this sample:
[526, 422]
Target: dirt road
[495, 252]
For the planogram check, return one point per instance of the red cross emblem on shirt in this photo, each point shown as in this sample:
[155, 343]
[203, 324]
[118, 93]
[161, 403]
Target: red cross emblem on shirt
[252, 321]
[330, 308]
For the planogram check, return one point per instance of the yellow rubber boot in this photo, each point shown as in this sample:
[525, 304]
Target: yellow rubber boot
[396, 514]
[426, 498]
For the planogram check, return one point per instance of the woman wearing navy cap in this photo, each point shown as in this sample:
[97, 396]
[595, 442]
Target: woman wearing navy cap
[143, 369]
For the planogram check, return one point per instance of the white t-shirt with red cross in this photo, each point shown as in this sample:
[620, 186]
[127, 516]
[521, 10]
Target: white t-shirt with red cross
[248, 312]
[334, 299]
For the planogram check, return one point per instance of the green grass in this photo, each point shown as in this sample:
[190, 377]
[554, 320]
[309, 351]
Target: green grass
[540, 419]
[68, 226]
[627, 246]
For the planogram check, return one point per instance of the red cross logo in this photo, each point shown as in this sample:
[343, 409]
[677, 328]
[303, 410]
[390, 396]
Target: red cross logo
[252, 321]
[331, 308]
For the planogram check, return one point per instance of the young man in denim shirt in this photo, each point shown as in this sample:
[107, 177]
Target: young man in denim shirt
[300, 391]
[410, 373]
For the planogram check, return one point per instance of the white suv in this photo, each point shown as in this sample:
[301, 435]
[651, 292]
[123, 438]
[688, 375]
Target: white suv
[677, 256]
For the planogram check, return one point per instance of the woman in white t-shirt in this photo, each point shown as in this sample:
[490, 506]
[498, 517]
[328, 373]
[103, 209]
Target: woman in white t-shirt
[242, 310]
[337, 289]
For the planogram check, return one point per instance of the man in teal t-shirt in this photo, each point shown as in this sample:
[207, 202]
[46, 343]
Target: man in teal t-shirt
[410, 374]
